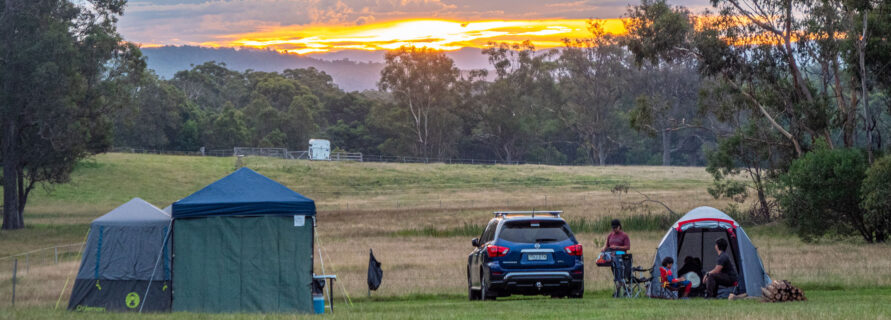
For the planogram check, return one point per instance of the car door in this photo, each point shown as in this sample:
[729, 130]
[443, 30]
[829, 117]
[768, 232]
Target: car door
[478, 256]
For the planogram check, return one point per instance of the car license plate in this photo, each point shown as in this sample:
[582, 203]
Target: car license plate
[537, 257]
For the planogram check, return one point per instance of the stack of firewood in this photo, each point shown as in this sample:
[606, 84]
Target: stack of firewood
[781, 291]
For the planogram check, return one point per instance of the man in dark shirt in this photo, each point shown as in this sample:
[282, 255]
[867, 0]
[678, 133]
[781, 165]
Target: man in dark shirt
[724, 273]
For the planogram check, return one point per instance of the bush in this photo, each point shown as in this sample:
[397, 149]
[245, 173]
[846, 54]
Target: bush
[822, 194]
[876, 198]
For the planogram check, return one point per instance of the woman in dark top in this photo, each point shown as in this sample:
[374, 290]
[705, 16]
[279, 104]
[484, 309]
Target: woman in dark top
[617, 240]
[724, 273]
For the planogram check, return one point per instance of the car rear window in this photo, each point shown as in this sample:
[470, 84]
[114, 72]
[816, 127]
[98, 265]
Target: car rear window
[531, 231]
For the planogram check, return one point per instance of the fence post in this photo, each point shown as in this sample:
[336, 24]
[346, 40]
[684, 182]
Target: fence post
[28, 263]
[15, 267]
[55, 255]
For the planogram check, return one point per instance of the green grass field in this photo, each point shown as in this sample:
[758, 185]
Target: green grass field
[394, 207]
[822, 304]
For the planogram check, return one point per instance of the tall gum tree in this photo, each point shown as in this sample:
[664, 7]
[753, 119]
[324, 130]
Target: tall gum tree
[784, 57]
[63, 70]
[422, 80]
[593, 75]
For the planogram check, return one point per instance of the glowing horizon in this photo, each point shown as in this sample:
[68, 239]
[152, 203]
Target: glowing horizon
[447, 35]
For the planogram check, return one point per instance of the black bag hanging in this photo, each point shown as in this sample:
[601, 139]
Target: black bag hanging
[375, 274]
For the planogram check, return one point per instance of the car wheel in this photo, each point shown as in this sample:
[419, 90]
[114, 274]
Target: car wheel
[485, 294]
[471, 294]
[577, 293]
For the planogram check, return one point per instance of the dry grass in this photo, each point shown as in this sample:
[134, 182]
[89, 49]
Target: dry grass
[363, 206]
[39, 286]
[438, 265]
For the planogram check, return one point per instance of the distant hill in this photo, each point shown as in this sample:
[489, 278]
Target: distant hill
[349, 75]
[352, 70]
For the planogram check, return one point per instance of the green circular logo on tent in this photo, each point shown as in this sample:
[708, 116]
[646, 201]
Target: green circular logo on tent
[132, 300]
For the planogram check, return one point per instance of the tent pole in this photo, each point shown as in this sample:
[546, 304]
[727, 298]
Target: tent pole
[83, 247]
[322, 263]
[157, 261]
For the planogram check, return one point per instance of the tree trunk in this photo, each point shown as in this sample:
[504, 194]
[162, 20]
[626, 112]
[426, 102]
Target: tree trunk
[601, 154]
[861, 48]
[666, 147]
[765, 207]
[12, 218]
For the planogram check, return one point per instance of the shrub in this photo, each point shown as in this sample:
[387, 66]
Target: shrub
[821, 194]
[876, 198]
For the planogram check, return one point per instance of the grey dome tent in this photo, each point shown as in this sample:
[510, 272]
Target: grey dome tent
[126, 255]
[695, 234]
[243, 244]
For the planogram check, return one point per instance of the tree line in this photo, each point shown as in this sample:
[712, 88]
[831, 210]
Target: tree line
[533, 105]
[756, 89]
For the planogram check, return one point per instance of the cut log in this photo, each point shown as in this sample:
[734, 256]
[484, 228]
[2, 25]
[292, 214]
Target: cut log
[781, 291]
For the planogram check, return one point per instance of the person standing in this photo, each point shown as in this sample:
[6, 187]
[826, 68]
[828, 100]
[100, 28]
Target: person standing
[724, 273]
[617, 240]
[617, 243]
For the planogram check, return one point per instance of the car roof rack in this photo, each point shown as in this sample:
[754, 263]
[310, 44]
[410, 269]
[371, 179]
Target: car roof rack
[506, 214]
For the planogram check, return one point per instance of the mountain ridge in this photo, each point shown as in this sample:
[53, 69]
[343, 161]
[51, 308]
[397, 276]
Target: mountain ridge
[345, 67]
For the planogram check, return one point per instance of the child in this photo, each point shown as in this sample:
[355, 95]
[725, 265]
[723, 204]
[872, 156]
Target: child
[677, 283]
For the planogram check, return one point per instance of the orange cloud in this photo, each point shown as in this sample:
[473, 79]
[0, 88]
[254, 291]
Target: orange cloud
[437, 34]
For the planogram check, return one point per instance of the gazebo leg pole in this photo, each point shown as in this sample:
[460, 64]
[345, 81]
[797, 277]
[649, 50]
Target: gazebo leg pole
[331, 293]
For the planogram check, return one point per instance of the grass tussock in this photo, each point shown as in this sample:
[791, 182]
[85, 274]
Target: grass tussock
[637, 222]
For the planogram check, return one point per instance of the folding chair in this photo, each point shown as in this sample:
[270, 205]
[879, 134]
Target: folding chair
[640, 283]
[622, 279]
[666, 290]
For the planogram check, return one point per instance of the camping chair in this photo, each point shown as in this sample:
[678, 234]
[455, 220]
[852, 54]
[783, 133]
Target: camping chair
[627, 286]
[666, 290]
[639, 281]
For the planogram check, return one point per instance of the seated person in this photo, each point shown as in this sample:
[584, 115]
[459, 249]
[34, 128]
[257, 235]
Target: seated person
[617, 240]
[694, 265]
[724, 274]
[674, 283]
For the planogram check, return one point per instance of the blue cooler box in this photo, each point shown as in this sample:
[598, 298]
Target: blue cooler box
[318, 303]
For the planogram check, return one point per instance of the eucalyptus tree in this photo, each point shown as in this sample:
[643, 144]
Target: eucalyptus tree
[594, 75]
[782, 63]
[423, 81]
[63, 70]
[667, 105]
[510, 110]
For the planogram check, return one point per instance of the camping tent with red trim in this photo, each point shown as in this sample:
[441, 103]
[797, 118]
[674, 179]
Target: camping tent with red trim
[694, 235]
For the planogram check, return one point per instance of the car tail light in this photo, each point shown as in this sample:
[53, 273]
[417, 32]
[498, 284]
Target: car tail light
[574, 250]
[496, 251]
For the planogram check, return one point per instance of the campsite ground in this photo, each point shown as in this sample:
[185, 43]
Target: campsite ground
[419, 220]
[823, 304]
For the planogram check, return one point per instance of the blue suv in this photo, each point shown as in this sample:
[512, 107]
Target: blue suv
[526, 252]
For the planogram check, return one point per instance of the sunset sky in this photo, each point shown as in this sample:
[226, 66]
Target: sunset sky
[318, 26]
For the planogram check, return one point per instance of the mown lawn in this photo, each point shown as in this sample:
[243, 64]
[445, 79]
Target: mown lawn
[822, 304]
